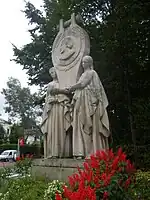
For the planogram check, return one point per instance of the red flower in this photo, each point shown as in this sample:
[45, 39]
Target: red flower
[111, 154]
[123, 157]
[22, 157]
[57, 196]
[18, 158]
[119, 151]
[86, 166]
[29, 156]
[105, 195]
[127, 182]
[115, 163]
[97, 174]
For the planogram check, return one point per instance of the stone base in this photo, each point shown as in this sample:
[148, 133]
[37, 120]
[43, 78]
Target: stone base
[55, 169]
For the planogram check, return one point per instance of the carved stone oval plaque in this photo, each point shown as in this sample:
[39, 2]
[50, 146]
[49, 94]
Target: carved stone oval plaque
[69, 46]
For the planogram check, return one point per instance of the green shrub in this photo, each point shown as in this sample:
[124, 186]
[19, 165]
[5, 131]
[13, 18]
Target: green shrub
[105, 175]
[26, 149]
[53, 187]
[142, 187]
[30, 149]
[143, 156]
[25, 189]
[4, 147]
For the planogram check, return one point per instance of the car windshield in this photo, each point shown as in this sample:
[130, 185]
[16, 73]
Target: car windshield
[5, 153]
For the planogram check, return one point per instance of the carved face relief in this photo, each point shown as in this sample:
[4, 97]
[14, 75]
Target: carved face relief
[53, 73]
[86, 64]
[67, 48]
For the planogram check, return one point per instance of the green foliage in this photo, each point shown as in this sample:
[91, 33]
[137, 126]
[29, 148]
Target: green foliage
[142, 155]
[19, 103]
[30, 188]
[127, 60]
[105, 174]
[31, 149]
[23, 165]
[16, 132]
[53, 187]
[26, 149]
[2, 134]
[142, 188]
[4, 147]
[25, 189]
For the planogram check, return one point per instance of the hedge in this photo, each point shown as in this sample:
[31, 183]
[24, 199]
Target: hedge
[36, 150]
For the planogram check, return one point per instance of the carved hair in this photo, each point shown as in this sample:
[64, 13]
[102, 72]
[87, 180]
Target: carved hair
[51, 69]
[89, 59]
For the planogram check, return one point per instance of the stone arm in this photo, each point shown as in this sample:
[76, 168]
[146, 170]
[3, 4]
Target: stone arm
[83, 82]
[56, 91]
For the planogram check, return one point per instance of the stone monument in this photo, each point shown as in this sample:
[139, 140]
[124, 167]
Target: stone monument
[70, 45]
[56, 120]
[75, 121]
[90, 120]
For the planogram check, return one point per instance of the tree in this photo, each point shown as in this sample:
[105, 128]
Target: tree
[20, 103]
[16, 132]
[2, 134]
[127, 60]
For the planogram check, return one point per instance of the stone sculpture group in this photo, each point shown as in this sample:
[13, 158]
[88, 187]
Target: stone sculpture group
[75, 121]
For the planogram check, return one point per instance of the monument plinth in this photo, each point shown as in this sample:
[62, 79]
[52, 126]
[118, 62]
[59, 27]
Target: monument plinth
[55, 169]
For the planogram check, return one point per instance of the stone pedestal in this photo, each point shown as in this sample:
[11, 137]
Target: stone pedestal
[55, 169]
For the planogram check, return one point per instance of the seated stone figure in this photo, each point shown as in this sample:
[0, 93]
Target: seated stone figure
[90, 119]
[56, 120]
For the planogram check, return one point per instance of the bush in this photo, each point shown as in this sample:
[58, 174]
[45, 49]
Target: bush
[105, 176]
[25, 189]
[142, 187]
[4, 147]
[23, 165]
[53, 187]
[143, 156]
[26, 149]
[30, 149]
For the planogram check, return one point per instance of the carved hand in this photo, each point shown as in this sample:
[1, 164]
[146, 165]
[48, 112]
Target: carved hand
[55, 91]
[68, 89]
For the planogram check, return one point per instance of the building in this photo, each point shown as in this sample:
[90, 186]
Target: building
[32, 135]
[7, 127]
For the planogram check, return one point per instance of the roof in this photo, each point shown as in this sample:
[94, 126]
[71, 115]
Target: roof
[9, 150]
[4, 121]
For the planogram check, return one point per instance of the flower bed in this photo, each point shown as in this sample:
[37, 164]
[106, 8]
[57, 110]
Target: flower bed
[105, 176]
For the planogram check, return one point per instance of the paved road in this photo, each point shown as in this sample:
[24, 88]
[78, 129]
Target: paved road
[6, 164]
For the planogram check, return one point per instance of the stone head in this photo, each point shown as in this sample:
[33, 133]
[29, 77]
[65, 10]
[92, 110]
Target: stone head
[87, 62]
[52, 72]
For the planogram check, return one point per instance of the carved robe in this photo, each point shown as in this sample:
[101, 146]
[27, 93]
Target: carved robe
[90, 119]
[55, 123]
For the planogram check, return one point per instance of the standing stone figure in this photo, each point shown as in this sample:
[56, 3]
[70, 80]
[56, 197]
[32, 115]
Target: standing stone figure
[56, 120]
[90, 119]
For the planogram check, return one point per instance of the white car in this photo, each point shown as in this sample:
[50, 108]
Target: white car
[8, 155]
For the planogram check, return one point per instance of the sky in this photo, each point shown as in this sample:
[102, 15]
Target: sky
[13, 29]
